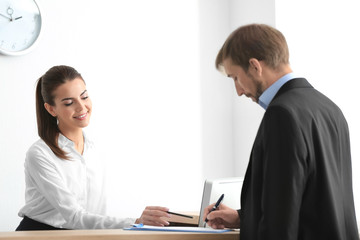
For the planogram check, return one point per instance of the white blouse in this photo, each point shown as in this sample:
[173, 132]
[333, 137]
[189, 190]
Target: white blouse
[67, 193]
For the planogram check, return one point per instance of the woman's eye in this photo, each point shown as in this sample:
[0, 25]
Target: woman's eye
[84, 98]
[68, 104]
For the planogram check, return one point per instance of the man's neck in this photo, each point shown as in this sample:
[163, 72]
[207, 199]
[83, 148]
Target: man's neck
[272, 75]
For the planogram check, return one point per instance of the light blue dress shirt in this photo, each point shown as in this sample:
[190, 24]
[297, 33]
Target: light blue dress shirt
[269, 94]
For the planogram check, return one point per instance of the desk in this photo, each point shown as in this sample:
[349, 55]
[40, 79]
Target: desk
[115, 234]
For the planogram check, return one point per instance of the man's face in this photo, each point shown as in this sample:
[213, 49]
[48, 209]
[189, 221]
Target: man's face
[245, 83]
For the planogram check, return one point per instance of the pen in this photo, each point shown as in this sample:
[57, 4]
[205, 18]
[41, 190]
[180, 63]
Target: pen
[178, 214]
[215, 206]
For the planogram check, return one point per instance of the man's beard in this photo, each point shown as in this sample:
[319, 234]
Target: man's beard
[259, 87]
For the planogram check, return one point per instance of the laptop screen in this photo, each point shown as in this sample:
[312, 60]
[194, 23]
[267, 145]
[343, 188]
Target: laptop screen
[230, 187]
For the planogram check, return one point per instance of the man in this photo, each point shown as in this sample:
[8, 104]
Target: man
[298, 184]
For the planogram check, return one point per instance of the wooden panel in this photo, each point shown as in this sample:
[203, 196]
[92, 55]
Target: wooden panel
[115, 234]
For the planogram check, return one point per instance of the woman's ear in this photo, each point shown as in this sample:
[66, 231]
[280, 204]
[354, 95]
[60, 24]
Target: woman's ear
[50, 109]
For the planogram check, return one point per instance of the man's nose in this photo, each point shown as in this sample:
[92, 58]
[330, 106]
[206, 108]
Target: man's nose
[240, 92]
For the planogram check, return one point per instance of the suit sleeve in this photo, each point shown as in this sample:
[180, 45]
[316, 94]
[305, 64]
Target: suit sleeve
[284, 175]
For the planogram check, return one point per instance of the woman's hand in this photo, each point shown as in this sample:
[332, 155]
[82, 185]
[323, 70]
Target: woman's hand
[152, 215]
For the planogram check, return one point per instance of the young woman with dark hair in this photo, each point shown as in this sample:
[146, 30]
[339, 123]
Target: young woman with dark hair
[64, 175]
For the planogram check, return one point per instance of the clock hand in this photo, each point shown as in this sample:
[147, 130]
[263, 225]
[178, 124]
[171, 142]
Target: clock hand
[10, 11]
[5, 16]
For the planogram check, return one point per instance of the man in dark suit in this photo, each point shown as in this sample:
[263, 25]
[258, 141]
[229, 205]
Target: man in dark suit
[298, 184]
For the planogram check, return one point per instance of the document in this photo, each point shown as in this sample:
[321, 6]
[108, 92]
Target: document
[141, 227]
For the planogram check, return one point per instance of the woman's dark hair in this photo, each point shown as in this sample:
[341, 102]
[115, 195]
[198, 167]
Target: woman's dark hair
[47, 124]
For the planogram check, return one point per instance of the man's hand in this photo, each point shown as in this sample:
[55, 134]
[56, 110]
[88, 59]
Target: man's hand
[223, 217]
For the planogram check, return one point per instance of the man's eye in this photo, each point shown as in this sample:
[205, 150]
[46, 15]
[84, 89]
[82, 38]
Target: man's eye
[68, 104]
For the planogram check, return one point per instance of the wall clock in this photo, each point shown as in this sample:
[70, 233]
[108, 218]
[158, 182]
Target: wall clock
[20, 26]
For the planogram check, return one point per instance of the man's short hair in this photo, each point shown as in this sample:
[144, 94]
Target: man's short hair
[259, 41]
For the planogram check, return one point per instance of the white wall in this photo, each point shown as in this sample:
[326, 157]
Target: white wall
[229, 123]
[216, 92]
[140, 60]
[246, 114]
[163, 116]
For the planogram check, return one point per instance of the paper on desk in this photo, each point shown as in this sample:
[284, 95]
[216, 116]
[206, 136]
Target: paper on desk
[141, 227]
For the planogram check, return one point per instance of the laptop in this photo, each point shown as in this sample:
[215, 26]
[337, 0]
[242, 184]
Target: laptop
[230, 187]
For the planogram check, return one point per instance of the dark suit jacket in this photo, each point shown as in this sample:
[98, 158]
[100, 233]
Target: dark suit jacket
[298, 184]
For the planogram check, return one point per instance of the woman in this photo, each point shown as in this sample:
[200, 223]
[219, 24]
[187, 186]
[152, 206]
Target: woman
[64, 177]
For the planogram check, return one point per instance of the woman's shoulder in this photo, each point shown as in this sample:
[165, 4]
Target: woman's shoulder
[38, 149]
[38, 145]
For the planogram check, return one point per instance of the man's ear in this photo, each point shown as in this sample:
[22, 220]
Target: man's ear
[255, 65]
[50, 109]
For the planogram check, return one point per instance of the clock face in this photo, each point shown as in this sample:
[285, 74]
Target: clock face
[20, 25]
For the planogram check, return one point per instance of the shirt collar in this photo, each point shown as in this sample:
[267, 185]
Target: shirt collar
[64, 141]
[268, 95]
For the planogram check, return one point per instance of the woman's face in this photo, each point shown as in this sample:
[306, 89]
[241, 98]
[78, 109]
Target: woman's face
[72, 105]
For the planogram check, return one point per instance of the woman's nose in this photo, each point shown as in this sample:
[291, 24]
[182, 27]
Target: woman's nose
[80, 107]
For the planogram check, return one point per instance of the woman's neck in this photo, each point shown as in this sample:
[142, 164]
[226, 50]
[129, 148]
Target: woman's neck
[77, 137]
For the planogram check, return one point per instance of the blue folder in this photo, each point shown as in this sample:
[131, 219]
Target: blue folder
[141, 227]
